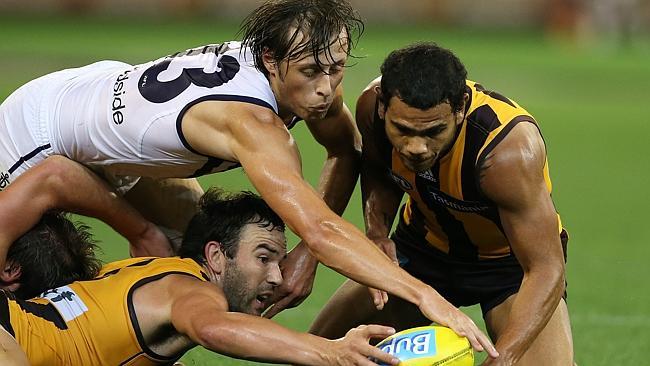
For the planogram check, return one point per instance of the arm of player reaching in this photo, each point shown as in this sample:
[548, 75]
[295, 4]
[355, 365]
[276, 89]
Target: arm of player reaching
[338, 134]
[512, 176]
[200, 311]
[59, 183]
[380, 196]
[257, 138]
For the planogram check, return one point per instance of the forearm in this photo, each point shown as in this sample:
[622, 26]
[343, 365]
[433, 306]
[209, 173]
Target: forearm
[336, 184]
[363, 261]
[337, 180]
[76, 189]
[259, 339]
[380, 202]
[537, 299]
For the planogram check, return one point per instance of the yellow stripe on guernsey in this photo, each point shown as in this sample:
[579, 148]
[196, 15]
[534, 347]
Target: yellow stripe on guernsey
[445, 206]
[85, 323]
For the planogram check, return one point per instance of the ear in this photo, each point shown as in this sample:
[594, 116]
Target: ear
[215, 257]
[269, 62]
[381, 108]
[10, 276]
[460, 116]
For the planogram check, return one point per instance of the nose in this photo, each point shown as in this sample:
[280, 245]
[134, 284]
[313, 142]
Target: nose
[324, 85]
[416, 147]
[274, 276]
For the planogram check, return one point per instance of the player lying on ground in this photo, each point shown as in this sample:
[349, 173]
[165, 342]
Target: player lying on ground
[214, 108]
[150, 311]
[479, 224]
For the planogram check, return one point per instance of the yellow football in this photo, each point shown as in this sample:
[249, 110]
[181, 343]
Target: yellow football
[429, 346]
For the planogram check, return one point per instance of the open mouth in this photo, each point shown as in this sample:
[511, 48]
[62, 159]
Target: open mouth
[262, 298]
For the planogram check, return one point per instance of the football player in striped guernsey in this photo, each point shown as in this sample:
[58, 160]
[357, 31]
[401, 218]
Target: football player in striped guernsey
[150, 310]
[478, 225]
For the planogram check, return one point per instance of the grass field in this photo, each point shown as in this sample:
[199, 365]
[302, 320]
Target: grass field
[590, 101]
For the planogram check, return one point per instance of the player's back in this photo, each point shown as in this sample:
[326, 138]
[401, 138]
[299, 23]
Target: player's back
[93, 322]
[130, 125]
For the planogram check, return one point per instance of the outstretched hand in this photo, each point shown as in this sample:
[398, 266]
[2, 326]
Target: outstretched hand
[439, 310]
[354, 348]
[298, 272]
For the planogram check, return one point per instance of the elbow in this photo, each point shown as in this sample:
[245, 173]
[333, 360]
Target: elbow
[551, 274]
[54, 172]
[51, 177]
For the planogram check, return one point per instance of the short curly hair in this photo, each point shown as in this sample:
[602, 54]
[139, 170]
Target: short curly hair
[423, 75]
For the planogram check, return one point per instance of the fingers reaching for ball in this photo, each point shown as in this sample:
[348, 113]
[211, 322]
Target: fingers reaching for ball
[355, 349]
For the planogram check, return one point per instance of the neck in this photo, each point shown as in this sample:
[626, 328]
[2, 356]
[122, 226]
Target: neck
[284, 112]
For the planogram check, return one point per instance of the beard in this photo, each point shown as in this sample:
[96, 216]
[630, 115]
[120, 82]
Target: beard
[238, 295]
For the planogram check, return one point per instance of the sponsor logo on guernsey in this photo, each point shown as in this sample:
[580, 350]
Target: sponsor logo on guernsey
[443, 199]
[66, 301]
[4, 179]
[401, 182]
[427, 175]
[412, 345]
[117, 104]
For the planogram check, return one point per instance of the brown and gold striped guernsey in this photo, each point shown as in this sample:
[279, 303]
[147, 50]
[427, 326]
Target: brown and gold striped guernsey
[445, 207]
[93, 322]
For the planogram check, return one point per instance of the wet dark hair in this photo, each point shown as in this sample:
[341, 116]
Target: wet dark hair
[221, 217]
[267, 28]
[53, 253]
[423, 75]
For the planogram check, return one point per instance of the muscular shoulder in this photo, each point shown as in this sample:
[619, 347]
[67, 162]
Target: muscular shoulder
[515, 165]
[212, 126]
[366, 104]
[232, 114]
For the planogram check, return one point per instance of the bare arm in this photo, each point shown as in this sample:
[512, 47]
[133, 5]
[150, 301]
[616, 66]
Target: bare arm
[59, 183]
[380, 196]
[512, 176]
[269, 156]
[257, 139]
[199, 310]
[338, 134]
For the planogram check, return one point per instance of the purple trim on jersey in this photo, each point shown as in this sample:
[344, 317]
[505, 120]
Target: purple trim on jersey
[25, 158]
[218, 97]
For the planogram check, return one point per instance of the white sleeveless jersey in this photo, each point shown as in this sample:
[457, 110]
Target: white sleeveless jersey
[126, 120]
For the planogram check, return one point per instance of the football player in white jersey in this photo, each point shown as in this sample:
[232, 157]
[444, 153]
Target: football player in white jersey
[217, 107]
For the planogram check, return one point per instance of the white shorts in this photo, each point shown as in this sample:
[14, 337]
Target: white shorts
[24, 139]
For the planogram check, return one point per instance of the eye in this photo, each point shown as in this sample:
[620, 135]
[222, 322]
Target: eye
[402, 130]
[264, 259]
[309, 73]
[435, 131]
[335, 70]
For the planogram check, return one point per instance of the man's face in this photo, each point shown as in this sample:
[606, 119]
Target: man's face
[301, 87]
[252, 275]
[420, 136]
